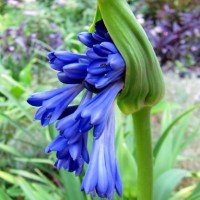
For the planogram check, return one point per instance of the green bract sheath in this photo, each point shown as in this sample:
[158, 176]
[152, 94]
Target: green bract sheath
[144, 84]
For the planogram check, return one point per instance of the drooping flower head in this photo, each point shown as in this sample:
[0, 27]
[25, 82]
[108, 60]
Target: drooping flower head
[118, 57]
[99, 74]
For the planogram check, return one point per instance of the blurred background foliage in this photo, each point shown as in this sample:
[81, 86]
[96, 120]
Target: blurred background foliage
[29, 29]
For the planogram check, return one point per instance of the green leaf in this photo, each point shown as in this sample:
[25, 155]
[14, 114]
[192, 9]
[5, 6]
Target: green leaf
[163, 161]
[35, 160]
[26, 174]
[9, 149]
[8, 177]
[71, 185]
[25, 75]
[14, 191]
[195, 194]
[27, 189]
[11, 81]
[190, 138]
[182, 193]
[166, 183]
[127, 166]
[48, 182]
[162, 106]
[15, 102]
[170, 148]
[3, 195]
[45, 192]
[52, 131]
[16, 88]
[168, 129]
[16, 91]
[179, 136]
[97, 18]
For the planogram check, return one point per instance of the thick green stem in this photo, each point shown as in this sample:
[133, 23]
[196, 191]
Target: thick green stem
[142, 130]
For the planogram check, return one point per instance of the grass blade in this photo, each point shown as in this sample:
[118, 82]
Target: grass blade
[27, 189]
[8, 177]
[26, 174]
[71, 185]
[168, 129]
[167, 182]
[35, 160]
[3, 195]
[8, 149]
[195, 194]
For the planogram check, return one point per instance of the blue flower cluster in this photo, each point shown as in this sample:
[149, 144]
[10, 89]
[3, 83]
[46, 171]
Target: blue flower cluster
[99, 73]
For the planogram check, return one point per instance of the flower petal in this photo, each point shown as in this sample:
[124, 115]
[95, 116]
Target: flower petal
[76, 71]
[101, 51]
[110, 46]
[38, 98]
[58, 144]
[98, 67]
[87, 39]
[63, 78]
[116, 62]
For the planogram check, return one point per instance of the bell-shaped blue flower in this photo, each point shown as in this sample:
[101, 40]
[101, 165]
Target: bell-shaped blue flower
[70, 144]
[102, 72]
[58, 59]
[102, 175]
[74, 73]
[69, 156]
[70, 127]
[106, 64]
[53, 103]
[96, 111]
[87, 39]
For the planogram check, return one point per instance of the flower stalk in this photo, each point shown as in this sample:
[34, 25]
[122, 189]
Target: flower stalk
[142, 131]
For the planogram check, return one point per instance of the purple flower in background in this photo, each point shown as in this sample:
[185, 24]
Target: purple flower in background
[99, 73]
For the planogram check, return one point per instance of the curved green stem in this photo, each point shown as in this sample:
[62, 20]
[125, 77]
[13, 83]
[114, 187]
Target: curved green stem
[142, 130]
